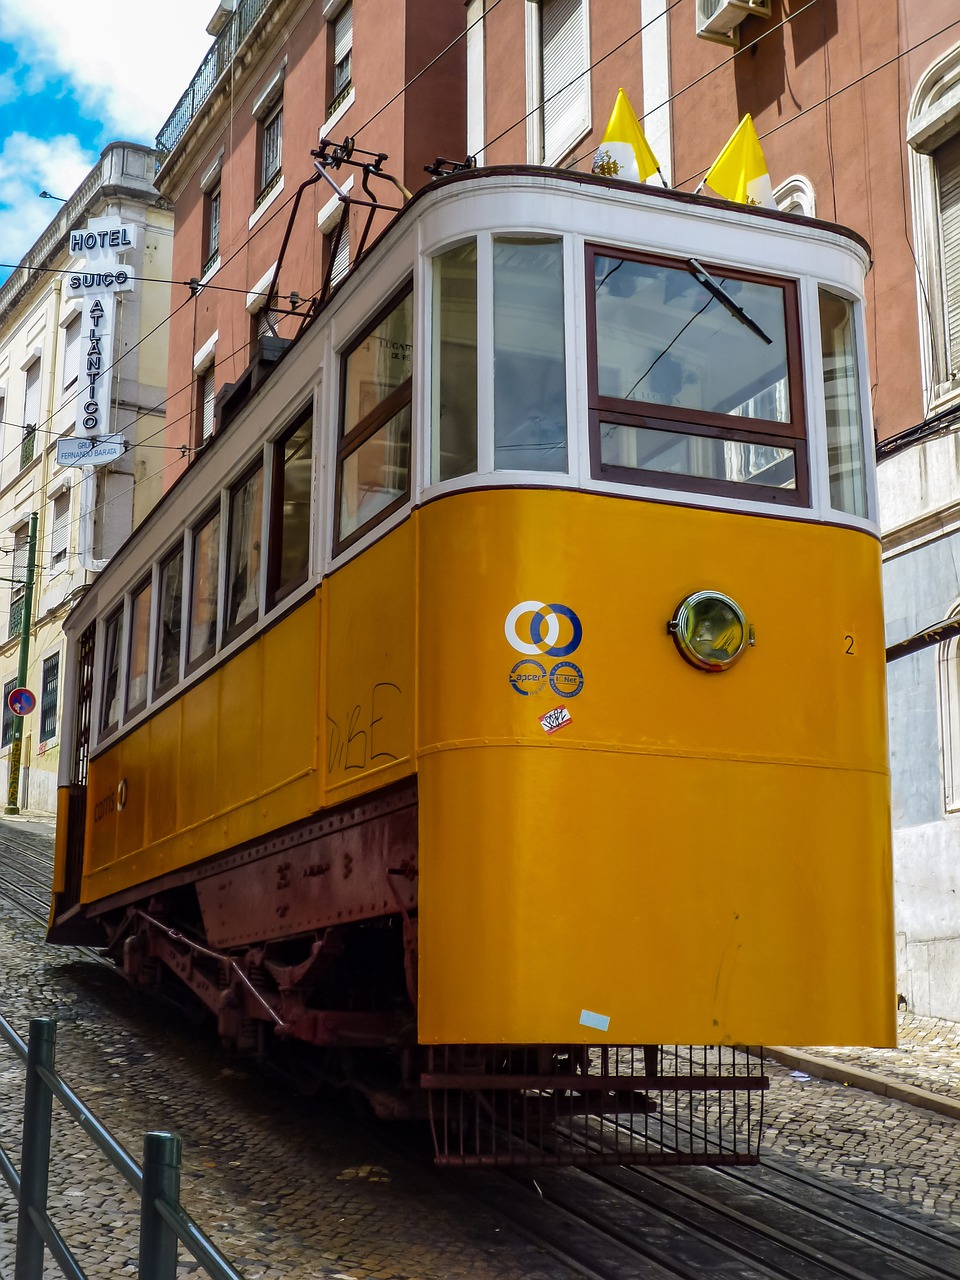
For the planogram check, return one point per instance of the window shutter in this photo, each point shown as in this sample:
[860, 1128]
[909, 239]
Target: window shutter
[206, 421]
[60, 535]
[341, 263]
[343, 34]
[564, 46]
[71, 351]
[31, 398]
[948, 174]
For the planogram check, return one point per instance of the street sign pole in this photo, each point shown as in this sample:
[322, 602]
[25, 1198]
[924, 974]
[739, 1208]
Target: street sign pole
[13, 787]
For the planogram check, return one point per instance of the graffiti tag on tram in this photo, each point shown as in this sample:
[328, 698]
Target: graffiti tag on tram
[366, 734]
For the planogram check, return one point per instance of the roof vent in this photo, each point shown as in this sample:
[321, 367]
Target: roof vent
[718, 20]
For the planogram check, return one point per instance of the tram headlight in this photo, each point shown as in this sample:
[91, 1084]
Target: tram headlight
[710, 630]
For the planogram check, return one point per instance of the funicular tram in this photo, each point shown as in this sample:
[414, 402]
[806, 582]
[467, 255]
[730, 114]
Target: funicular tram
[496, 705]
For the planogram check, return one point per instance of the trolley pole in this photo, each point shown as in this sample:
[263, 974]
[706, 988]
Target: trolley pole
[13, 787]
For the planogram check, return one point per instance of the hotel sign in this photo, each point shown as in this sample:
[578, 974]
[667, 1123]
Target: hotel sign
[98, 281]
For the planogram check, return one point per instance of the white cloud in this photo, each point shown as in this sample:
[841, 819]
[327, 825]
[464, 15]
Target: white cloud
[28, 166]
[128, 63]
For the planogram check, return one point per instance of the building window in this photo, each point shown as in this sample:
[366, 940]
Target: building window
[558, 80]
[681, 395]
[373, 459]
[244, 535]
[71, 351]
[342, 57]
[31, 414]
[139, 648]
[290, 509]
[271, 150]
[933, 132]
[110, 693]
[204, 590]
[18, 588]
[49, 688]
[206, 399]
[169, 622]
[796, 195]
[337, 245]
[7, 734]
[211, 214]
[60, 532]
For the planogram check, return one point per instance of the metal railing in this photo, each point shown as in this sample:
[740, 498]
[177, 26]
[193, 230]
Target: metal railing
[219, 58]
[163, 1223]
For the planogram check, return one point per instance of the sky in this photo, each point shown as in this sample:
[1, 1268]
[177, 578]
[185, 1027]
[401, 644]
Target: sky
[75, 76]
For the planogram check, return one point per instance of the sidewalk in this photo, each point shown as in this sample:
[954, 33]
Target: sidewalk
[924, 1069]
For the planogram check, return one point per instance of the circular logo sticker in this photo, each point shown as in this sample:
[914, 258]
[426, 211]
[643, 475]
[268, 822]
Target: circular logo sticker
[553, 630]
[528, 677]
[566, 679]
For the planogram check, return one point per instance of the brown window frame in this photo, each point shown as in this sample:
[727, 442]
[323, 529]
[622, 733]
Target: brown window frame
[212, 513]
[131, 709]
[211, 253]
[275, 591]
[162, 686]
[230, 633]
[369, 426]
[638, 413]
[115, 615]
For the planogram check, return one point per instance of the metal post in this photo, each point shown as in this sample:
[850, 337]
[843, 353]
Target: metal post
[13, 786]
[161, 1181]
[35, 1149]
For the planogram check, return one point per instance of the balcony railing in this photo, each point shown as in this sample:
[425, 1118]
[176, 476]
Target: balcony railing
[28, 446]
[213, 66]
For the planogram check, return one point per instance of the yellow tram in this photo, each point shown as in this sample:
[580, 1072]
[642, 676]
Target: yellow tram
[507, 678]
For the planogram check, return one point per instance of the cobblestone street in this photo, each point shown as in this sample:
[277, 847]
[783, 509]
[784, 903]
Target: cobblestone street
[290, 1188]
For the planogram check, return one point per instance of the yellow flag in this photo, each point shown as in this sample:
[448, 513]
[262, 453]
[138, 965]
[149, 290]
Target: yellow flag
[740, 172]
[624, 151]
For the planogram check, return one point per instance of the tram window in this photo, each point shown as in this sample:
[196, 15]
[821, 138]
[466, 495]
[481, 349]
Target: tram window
[848, 490]
[204, 590]
[529, 377]
[169, 622]
[455, 363]
[373, 463]
[139, 649]
[243, 552]
[110, 695]
[290, 509]
[696, 381]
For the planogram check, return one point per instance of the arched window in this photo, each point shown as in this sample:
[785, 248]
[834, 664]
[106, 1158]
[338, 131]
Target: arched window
[933, 132]
[796, 196]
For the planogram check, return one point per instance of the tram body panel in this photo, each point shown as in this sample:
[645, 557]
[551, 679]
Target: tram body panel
[762, 812]
[226, 759]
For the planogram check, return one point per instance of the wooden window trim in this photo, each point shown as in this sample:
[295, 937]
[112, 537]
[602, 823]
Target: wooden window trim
[791, 434]
[275, 592]
[230, 633]
[106, 729]
[368, 426]
[134, 708]
[161, 687]
[210, 515]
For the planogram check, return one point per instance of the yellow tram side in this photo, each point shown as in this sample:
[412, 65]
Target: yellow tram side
[679, 856]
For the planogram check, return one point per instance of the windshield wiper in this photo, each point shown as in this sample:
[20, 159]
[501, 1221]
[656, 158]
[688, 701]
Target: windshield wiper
[718, 291]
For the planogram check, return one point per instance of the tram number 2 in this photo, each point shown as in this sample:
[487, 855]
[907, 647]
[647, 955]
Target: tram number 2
[364, 735]
[848, 646]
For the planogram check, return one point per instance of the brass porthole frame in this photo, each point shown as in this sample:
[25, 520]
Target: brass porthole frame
[678, 627]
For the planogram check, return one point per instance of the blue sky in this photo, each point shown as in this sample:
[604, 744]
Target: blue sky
[75, 76]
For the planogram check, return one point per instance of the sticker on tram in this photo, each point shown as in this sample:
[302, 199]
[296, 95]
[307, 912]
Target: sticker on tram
[556, 719]
[528, 677]
[543, 630]
[566, 680]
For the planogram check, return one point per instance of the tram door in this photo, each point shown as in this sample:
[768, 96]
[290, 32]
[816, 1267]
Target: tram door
[72, 814]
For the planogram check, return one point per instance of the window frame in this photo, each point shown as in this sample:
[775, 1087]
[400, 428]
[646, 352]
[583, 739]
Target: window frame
[160, 687]
[340, 95]
[275, 591]
[369, 425]
[213, 512]
[131, 709]
[7, 716]
[59, 556]
[42, 734]
[104, 729]
[231, 633]
[267, 182]
[707, 424]
[212, 209]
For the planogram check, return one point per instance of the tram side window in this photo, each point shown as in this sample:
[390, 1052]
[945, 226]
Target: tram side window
[529, 375]
[848, 489]
[110, 694]
[696, 382]
[243, 552]
[454, 434]
[373, 459]
[139, 648]
[289, 561]
[204, 590]
[169, 622]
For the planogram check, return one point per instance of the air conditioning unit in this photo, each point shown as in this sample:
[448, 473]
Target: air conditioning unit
[718, 20]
